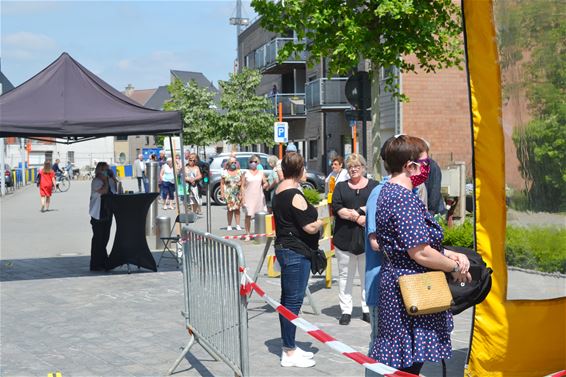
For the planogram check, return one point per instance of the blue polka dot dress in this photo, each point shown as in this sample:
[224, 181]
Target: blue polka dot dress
[403, 222]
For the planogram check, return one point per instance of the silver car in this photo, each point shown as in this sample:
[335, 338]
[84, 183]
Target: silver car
[315, 180]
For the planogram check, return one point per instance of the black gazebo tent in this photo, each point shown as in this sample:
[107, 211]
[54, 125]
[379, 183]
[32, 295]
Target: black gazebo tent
[67, 101]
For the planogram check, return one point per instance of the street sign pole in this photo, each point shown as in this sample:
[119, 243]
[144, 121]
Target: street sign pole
[364, 95]
[354, 138]
[358, 93]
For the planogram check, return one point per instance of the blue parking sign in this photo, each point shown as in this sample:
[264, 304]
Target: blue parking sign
[281, 132]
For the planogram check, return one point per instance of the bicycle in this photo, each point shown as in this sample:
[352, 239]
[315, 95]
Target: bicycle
[62, 182]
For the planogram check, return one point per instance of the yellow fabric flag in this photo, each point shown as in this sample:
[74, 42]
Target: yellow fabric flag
[510, 338]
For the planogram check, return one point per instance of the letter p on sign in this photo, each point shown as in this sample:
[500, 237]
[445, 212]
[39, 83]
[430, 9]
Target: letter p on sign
[281, 132]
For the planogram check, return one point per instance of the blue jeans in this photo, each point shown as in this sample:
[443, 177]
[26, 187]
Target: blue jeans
[373, 323]
[295, 272]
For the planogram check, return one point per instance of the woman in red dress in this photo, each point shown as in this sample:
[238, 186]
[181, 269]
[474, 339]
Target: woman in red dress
[46, 184]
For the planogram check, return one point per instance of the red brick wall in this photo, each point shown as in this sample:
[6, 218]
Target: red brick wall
[438, 111]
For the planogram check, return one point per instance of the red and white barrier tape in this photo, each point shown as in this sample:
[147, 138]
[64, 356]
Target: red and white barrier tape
[243, 236]
[562, 373]
[247, 285]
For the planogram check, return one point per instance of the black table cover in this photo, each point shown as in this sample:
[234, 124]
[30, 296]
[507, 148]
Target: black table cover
[130, 244]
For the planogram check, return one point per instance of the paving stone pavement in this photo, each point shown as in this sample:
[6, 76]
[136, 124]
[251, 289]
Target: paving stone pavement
[56, 315]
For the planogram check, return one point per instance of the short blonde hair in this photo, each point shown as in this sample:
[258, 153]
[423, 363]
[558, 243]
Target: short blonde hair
[272, 160]
[356, 159]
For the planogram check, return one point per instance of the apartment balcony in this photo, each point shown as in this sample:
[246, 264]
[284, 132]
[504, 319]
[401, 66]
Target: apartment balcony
[265, 58]
[327, 94]
[293, 105]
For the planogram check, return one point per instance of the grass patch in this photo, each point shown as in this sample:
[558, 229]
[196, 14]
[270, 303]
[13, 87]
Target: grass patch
[536, 248]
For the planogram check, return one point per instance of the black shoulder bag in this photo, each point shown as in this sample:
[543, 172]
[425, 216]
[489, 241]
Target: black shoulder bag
[317, 257]
[358, 243]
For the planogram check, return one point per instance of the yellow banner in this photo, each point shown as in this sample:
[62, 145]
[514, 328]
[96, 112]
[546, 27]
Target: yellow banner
[510, 338]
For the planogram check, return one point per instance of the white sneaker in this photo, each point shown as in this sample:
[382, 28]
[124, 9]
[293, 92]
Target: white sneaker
[238, 227]
[228, 228]
[297, 360]
[305, 354]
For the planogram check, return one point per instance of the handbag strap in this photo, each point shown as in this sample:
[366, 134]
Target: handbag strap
[386, 255]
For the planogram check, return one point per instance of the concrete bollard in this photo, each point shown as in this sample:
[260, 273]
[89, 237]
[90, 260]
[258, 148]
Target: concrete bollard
[162, 229]
[259, 226]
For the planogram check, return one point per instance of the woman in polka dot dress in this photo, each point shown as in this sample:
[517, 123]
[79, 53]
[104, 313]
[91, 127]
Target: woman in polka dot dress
[411, 241]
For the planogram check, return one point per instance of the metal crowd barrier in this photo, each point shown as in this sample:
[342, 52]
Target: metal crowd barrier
[215, 312]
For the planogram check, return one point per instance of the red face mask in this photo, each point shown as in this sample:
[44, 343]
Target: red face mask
[421, 178]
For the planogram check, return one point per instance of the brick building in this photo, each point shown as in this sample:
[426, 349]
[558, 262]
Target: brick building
[314, 104]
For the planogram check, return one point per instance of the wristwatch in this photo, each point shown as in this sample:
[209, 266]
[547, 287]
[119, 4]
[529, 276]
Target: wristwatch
[456, 268]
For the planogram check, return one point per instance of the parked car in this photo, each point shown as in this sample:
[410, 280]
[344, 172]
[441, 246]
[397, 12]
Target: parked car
[314, 179]
[8, 175]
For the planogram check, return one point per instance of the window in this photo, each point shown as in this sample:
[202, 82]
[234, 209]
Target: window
[49, 156]
[313, 149]
[243, 162]
[147, 140]
[122, 138]
[264, 163]
[71, 156]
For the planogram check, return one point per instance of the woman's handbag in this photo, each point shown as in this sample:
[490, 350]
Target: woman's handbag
[317, 257]
[425, 293]
[358, 243]
[318, 262]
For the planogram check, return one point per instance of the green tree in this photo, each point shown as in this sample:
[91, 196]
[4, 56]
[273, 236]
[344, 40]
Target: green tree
[531, 36]
[384, 32]
[248, 118]
[200, 117]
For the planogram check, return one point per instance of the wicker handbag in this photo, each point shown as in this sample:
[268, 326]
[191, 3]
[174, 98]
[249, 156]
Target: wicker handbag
[425, 293]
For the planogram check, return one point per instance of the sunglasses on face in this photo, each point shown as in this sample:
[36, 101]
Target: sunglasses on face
[253, 162]
[423, 161]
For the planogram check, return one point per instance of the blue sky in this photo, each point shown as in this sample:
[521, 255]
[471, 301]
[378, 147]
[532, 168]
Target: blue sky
[123, 42]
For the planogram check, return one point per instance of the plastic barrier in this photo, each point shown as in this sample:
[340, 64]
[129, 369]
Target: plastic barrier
[128, 171]
[246, 287]
[211, 283]
[119, 170]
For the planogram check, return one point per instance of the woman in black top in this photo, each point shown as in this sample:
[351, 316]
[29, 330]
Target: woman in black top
[297, 232]
[349, 204]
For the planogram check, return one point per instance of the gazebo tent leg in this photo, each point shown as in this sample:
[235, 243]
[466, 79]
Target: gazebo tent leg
[175, 176]
[185, 204]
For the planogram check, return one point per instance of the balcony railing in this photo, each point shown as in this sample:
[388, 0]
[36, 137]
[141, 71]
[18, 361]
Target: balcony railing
[327, 94]
[293, 104]
[266, 55]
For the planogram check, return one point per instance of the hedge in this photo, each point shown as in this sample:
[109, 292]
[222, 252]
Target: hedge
[535, 248]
